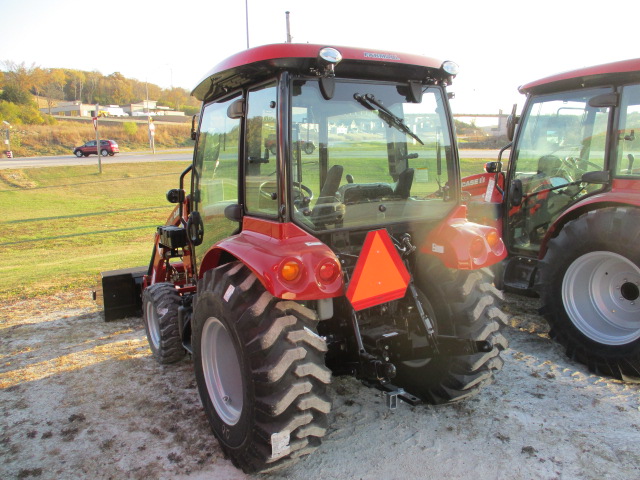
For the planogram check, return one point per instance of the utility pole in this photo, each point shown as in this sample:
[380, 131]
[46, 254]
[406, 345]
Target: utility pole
[95, 125]
[288, 28]
[150, 126]
[7, 141]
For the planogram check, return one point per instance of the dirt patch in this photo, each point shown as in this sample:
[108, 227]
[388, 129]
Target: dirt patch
[82, 398]
[16, 179]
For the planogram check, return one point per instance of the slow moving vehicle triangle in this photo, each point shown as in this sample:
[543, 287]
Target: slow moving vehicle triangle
[380, 275]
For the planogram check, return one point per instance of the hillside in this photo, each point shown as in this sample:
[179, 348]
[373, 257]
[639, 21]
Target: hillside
[61, 137]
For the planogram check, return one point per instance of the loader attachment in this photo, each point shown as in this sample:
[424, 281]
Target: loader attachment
[120, 292]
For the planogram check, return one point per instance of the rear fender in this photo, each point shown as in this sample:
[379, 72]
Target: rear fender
[464, 245]
[265, 246]
[617, 197]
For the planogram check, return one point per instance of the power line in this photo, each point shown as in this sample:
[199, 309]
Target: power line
[97, 232]
[93, 214]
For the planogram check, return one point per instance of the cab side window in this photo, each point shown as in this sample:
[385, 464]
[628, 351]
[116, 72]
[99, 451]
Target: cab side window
[260, 162]
[629, 133]
[215, 177]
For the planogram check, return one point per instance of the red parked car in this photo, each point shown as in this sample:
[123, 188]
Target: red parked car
[107, 147]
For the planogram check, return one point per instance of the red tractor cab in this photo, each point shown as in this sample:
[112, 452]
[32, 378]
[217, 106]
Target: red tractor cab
[568, 208]
[319, 232]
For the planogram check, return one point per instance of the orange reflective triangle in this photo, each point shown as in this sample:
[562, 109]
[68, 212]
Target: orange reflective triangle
[380, 275]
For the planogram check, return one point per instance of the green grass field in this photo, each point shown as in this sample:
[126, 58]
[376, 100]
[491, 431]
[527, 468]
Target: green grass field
[62, 226]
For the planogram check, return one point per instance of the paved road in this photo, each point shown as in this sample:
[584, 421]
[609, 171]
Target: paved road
[69, 160]
[163, 156]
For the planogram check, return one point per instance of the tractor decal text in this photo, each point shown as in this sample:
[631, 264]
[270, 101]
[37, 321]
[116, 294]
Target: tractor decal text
[437, 248]
[474, 181]
[381, 56]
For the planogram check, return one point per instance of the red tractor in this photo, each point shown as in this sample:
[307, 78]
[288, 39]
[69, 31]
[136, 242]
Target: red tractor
[568, 208]
[278, 270]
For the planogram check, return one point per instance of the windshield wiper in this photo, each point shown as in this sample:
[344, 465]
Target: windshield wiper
[370, 102]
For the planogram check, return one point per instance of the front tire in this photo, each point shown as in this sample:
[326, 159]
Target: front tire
[160, 303]
[462, 303]
[589, 282]
[78, 154]
[259, 366]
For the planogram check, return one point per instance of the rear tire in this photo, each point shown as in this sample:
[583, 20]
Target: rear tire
[104, 152]
[160, 303]
[461, 303]
[589, 283]
[259, 366]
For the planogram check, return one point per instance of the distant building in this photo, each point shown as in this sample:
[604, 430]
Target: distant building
[149, 107]
[141, 109]
[70, 109]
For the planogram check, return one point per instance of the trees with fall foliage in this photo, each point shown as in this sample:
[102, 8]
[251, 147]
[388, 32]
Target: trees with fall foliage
[18, 82]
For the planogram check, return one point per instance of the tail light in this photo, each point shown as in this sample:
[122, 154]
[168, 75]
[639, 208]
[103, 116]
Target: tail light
[328, 271]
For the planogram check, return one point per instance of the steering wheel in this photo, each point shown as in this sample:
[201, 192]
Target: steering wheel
[578, 164]
[267, 190]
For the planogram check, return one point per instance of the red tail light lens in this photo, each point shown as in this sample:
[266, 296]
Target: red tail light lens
[328, 271]
[477, 248]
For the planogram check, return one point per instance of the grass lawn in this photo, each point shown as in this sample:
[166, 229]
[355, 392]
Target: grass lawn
[62, 226]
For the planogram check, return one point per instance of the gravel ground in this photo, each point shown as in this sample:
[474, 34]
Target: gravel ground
[82, 398]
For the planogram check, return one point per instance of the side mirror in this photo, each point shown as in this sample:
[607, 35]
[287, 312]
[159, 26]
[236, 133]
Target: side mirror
[233, 212]
[194, 130]
[515, 193]
[175, 195]
[596, 177]
[512, 121]
[236, 109]
[604, 100]
[415, 91]
[493, 167]
[327, 87]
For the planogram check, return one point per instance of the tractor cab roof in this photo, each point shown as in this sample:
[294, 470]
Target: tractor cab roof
[252, 65]
[607, 74]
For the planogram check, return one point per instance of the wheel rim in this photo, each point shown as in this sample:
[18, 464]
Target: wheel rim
[222, 371]
[153, 323]
[600, 292]
[104, 153]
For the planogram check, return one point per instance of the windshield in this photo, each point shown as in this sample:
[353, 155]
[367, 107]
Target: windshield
[369, 155]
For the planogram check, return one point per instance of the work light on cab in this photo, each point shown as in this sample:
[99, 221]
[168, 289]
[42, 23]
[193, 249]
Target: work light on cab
[450, 67]
[328, 58]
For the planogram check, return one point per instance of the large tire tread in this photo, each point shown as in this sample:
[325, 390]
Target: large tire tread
[469, 301]
[288, 377]
[165, 300]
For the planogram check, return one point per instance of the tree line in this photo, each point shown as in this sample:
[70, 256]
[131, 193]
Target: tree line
[20, 82]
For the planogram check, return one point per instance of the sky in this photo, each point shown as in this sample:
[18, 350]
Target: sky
[498, 44]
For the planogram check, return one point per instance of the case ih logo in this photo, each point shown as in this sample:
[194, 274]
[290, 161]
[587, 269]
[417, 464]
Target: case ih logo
[381, 56]
[475, 181]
